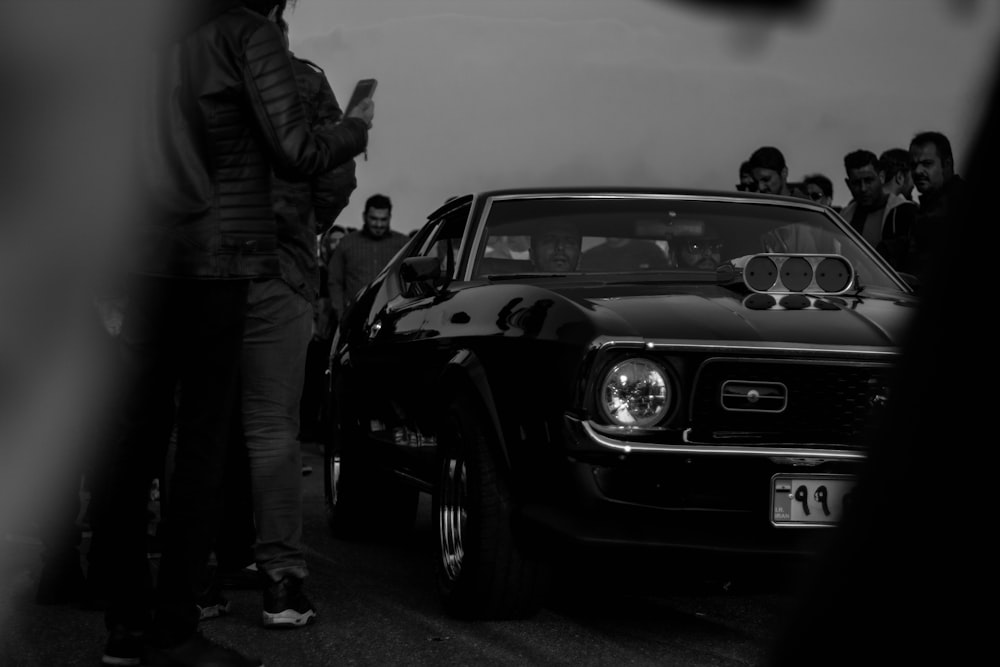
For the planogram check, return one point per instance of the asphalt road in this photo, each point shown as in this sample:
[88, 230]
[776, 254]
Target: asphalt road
[377, 606]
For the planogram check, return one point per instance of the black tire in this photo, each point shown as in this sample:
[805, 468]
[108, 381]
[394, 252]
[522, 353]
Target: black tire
[481, 572]
[362, 500]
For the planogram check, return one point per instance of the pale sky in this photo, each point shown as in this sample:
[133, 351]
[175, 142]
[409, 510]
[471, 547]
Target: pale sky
[493, 93]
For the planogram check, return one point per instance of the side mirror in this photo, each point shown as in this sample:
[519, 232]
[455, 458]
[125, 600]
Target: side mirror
[424, 273]
[419, 269]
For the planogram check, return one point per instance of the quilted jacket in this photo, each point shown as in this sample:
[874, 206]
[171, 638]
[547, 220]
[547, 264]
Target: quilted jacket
[223, 111]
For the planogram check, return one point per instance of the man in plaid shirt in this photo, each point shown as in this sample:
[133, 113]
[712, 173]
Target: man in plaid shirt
[362, 254]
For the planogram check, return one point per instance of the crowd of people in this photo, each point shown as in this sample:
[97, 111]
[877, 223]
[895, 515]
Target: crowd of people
[232, 305]
[882, 206]
[883, 209]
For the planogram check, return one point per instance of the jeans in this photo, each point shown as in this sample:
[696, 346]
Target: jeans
[183, 336]
[272, 373]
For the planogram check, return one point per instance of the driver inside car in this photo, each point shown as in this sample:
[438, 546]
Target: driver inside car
[703, 251]
[555, 247]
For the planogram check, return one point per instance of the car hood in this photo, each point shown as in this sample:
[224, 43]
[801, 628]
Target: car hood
[715, 313]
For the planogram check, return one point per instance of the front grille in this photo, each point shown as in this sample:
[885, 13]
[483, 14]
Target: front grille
[828, 402]
[754, 396]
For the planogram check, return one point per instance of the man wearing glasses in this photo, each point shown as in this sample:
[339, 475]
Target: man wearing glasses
[702, 252]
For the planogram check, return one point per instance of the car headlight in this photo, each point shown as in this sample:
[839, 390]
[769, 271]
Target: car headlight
[635, 392]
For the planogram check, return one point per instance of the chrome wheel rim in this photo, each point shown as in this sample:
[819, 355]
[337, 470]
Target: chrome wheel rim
[452, 517]
[334, 471]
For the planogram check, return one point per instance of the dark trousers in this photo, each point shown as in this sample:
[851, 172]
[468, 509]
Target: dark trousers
[178, 335]
[237, 534]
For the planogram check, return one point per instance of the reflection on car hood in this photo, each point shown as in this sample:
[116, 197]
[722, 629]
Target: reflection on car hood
[711, 312]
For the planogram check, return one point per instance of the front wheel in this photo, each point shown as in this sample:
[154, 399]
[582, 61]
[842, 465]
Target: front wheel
[480, 570]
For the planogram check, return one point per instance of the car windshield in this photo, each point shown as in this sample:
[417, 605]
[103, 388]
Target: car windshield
[659, 238]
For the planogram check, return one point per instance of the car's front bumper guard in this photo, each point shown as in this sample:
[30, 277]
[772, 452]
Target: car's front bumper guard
[587, 436]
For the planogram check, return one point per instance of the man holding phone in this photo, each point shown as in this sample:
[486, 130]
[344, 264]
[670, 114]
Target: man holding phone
[264, 476]
[363, 90]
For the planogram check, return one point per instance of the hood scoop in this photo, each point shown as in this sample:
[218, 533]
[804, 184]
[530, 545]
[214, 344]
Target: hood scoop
[784, 273]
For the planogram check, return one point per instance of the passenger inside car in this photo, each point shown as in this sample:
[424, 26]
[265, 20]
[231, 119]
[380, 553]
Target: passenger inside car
[555, 247]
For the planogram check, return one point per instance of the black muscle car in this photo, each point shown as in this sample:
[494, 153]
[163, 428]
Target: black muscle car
[570, 369]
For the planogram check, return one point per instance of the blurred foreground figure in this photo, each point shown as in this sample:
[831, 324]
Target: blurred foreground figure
[222, 111]
[63, 177]
[912, 569]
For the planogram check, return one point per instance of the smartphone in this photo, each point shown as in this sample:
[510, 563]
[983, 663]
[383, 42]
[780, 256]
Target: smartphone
[364, 89]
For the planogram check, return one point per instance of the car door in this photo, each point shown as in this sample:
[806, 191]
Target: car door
[392, 364]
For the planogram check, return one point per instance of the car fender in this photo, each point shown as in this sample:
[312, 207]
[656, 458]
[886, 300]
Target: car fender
[465, 372]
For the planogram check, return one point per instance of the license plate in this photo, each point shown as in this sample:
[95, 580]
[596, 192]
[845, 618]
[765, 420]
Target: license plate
[810, 500]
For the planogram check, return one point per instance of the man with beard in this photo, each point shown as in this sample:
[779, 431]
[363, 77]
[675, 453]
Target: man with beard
[885, 220]
[942, 193]
[362, 254]
[703, 251]
[555, 247]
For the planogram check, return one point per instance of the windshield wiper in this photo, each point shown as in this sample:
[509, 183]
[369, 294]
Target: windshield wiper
[519, 276]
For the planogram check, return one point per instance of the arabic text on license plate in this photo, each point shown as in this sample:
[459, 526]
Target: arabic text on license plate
[810, 499]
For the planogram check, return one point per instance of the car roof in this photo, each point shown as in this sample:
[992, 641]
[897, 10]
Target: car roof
[577, 190]
[619, 189]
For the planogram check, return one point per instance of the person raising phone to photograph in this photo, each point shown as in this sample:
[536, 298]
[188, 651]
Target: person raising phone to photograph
[264, 475]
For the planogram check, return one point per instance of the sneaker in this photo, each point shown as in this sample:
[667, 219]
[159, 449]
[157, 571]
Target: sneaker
[211, 603]
[124, 647]
[307, 469]
[197, 650]
[286, 606]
